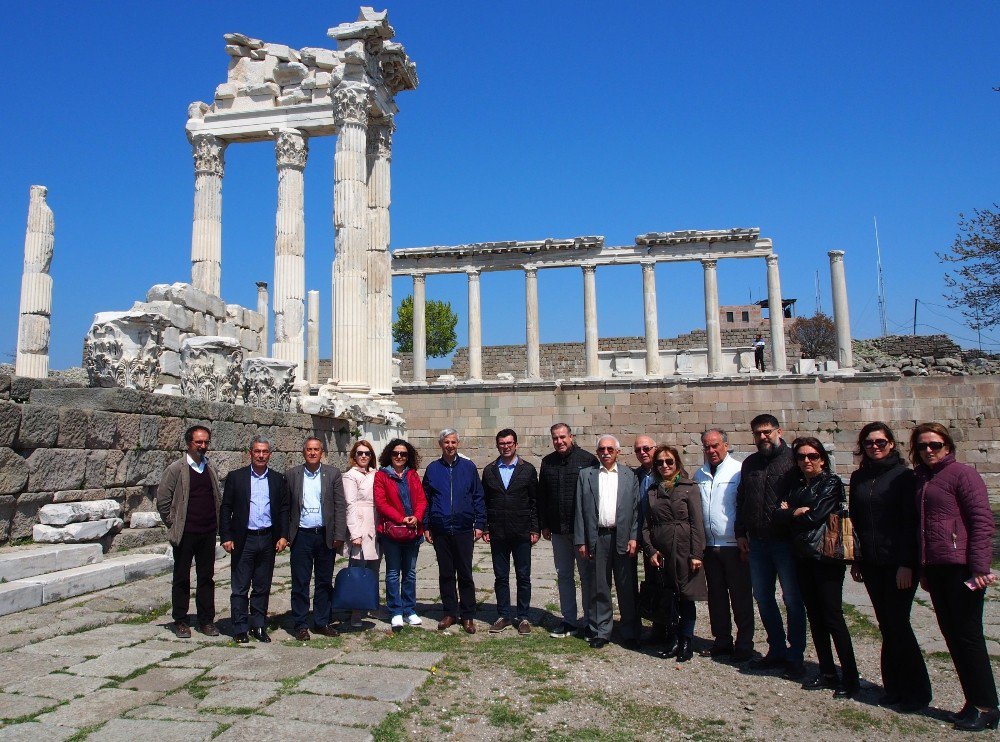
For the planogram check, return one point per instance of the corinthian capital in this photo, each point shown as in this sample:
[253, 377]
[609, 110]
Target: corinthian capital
[380, 137]
[291, 148]
[209, 154]
[351, 101]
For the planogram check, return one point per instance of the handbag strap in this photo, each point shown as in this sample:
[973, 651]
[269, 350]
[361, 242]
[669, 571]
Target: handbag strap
[360, 558]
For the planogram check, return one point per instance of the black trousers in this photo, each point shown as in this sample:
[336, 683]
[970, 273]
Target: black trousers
[729, 585]
[199, 547]
[253, 567]
[454, 558]
[311, 561]
[959, 613]
[904, 673]
[822, 588]
[502, 550]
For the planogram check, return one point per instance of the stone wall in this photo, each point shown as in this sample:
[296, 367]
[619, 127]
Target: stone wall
[60, 444]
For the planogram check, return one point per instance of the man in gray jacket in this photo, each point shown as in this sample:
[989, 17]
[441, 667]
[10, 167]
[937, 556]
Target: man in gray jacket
[188, 499]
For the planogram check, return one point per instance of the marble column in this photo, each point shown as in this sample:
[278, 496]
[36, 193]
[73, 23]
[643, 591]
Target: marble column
[776, 316]
[590, 320]
[350, 221]
[262, 310]
[841, 315]
[291, 149]
[206, 230]
[712, 317]
[34, 324]
[475, 327]
[419, 329]
[532, 351]
[379, 260]
[312, 337]
[652, 325]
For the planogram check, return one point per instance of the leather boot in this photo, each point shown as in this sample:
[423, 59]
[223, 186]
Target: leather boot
[684, 651]
[670, 645]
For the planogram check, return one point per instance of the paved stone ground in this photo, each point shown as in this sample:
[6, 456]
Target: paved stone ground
[106, 666]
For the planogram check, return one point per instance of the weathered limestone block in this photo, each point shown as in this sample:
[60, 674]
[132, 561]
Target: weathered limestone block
[211, 369]
[84, 495]
[61, 514]
[75, 533]
[10, 422]
[290, 73]
[268, 383]
[53, 469]
[26, 512]
[122, 349]
[14, 472]
[170, 434]
[141, 468]
[145, 519]
[127, 434]
[39, 427]
[73, 426]
[103, 430]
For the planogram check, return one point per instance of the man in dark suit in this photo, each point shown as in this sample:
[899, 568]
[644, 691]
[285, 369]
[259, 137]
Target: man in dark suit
[510, 484]
[317, 529]
[253, 527]
[606, 534]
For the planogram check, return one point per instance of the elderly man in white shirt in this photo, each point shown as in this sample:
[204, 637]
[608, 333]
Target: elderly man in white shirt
[727, 573]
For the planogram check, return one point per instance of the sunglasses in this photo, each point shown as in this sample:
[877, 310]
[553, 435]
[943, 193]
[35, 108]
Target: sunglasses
[807, 456]
[665, 462]
[930, 446]
[643, 449]
[400, 454]
[362, 452]
[878, 443]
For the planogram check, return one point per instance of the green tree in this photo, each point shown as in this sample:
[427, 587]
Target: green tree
[816, 336]
[974, 288]
[441, 321]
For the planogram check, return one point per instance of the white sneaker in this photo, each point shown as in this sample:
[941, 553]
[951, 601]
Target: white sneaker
[413, 619]
[397, 622]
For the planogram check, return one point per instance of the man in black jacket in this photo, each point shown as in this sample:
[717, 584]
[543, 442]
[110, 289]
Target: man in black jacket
[557, 514]
[766, 478]
[510, 484]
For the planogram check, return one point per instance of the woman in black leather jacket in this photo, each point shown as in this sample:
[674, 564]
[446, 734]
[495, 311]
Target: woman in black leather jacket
[821, 581]
[884, 514]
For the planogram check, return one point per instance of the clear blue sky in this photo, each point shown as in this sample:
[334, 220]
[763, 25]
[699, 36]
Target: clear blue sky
[532, 120]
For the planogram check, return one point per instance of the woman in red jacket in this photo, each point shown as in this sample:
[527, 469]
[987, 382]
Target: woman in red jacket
[400, 504]
[956, 535]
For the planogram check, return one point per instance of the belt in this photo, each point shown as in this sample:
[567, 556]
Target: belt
[317, 529]
[259, 530]
[602, 530]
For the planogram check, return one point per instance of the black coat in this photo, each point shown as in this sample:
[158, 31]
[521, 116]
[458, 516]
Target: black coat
[764, 483]
[823, 495]
[234, 515]
[884, 512]
[511, 512]
[557, 488]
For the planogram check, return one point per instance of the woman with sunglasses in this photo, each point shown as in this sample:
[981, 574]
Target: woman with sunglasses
[955, 537]
[400, 504]
[359, 486]
[884, 515]
[673, 538]
[821, 581]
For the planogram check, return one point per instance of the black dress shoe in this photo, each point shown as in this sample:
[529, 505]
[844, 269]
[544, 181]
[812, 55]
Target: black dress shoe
[302, 635]
[631, 644]
[718, 650]
[260, 635]
[848, 690]
[684, 651]
[741, 655]
[912, 706]
[670, 646]
[965, 712]
[794, 671]
[241, 638]
[327, 630]
[978, 720]
[767, 662]
[889, 699]
[598, 643]
[821, 681]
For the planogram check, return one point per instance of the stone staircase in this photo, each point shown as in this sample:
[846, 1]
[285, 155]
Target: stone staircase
[31, 576]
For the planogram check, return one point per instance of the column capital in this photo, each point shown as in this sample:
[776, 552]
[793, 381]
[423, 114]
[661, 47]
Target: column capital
[771, 259]
[647, 265]
[530, 269]
[291, 149]
[473, 272]
[589, 268]
[709, 263]
[419, 278]
[262, 285]
[351, 101]
[209, 154]
[836, 256]
[380, 137]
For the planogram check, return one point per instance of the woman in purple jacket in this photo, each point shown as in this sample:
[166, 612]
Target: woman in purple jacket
[956, 536]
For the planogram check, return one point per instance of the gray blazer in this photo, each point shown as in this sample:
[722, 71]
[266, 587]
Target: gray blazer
[626, 515]
[333, 504]
[172, 497]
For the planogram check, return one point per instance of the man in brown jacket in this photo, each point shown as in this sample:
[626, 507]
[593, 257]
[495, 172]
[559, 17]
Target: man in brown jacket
[188, 499]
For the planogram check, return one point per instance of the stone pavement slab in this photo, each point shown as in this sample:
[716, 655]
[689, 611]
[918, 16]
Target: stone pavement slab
[382, 684]
[119, 663]
[208, 657]
[92, 642]
[417, 660]
[174, 713]
[18, 667]
[58, 686]
[14, 707]
[97, 707]
[240, 694]
[129, 730]
[256, 728]
[329, 710]
[273, 662]
[163, 679]
[33, 731]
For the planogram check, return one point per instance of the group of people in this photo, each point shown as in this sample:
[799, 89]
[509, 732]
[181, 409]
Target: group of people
[727, 534]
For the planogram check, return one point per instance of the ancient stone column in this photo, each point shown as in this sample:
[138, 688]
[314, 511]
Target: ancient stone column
[262, 310]
[712, 317]
[649, 312]
[206, 229]
[841, 315]
[34, 324]
[379, 260]
[419, 329]
[590, 320]
[776, 315]
[291, 149]
[475, 327]
[350, 221]
[534, 370]
[312, 337]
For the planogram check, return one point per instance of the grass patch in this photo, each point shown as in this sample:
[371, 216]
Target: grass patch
[590, 734]
[502, 715]
[857, 720]
[552, 607]
[218, 732]
[147, 616]
[548, 695]
[391, 729]
[644, 718]
[82, 734]
[414, 640]
[859, 624]
[198, 687]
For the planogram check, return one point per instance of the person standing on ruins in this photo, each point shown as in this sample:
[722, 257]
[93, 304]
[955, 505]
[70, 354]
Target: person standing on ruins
[758, 352]
[456, 517]
[557, 480]
[766, 478]
[188, 499]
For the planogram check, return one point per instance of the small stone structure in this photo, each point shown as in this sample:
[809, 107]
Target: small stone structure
[33, 329]
[77, 522]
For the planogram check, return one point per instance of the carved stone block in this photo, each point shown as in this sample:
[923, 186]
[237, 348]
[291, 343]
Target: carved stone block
[210, 369]
[122, 349]
[268, 383]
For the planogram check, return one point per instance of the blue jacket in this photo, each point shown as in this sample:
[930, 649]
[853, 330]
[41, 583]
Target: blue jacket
[455, 499]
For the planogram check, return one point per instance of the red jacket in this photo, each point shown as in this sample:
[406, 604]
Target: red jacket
[956, 523]
[389, 505]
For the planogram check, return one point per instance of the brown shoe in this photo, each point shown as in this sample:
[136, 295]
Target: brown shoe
[500, 625]
[208, 629]
[446, 623]
[469, 626]
[182, 630]
[327, 631]
[523, 627]
[302, 635]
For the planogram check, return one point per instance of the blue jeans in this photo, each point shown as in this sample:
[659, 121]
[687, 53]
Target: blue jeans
[772, 560]
[502, 550]
[400, 576]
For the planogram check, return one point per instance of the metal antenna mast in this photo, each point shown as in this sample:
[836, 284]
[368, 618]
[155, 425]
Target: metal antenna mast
[819, 304]
[881, 283]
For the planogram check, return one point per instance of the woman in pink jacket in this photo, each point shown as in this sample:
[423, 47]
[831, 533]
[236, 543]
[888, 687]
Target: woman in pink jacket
[956, 537]
[359, 483]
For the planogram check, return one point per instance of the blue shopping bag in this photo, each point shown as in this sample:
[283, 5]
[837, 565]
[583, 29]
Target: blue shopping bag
[356, 588]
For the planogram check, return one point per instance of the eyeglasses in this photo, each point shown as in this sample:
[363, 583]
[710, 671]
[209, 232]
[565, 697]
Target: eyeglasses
[362, 452]
[808, 456]
[606, 449]
[878, 443]
[400, 454]
[643, 449]
[665, 462]
[930, 446]
[506, 444]
[766, 432]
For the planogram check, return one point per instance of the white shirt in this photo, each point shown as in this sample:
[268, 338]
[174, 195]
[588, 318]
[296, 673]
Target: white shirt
[200, 466]
[607, 496]
[311, 515]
